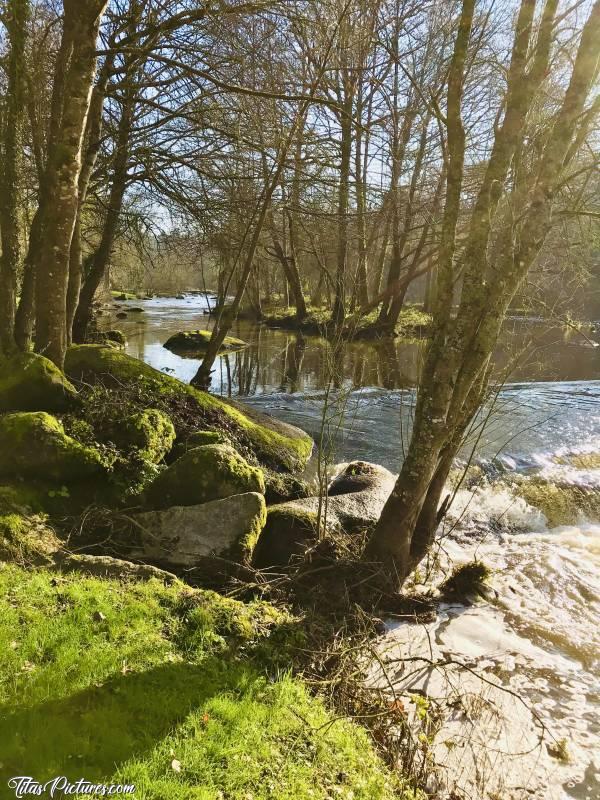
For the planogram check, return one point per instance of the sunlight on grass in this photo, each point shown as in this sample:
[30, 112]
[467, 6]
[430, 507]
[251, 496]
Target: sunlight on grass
[179, 692]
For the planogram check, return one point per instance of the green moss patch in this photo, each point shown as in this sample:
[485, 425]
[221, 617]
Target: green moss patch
[166, 689]
[29, 382]
[274, 443]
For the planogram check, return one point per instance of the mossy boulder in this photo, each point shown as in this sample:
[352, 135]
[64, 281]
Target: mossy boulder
[151, 433]
[204, 474]
[34, 444]
[195, 342]
[356, 498]
[29, 382]
[114, 338]
[281, 487]
[197, 439]
[290, 529]
[27, 540]
[274, 443]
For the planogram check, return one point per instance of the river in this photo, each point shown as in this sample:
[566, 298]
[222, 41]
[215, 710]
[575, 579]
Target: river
[541, 632]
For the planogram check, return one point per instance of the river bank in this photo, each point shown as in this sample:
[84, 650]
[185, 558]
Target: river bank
[123, 495]
[543, 548]
[513, 508]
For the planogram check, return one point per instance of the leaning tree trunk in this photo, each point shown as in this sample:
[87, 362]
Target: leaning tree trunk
[99, 260]
[17, 13]
[80, 32]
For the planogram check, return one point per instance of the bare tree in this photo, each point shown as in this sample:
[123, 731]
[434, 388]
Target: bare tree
[74, 77]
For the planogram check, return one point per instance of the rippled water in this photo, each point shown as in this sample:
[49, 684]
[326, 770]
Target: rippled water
[543, 629]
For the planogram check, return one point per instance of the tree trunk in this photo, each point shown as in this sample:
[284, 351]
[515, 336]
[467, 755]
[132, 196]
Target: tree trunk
[99, 260]
[78, 46]
[456, 370]
[16, 16]
[338, 313]
[361, 288]
[293, 214]
[93, 141]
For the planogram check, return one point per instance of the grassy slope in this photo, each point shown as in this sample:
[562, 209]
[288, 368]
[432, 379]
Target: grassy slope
[113, 682]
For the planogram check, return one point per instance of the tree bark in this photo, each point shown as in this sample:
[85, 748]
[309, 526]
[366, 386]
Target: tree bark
[59, 208]
[16, 17]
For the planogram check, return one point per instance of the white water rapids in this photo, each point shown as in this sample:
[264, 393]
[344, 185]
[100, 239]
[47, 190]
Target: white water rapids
[537, 635]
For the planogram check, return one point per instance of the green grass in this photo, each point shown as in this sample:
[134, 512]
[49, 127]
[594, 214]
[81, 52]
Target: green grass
[174, 691]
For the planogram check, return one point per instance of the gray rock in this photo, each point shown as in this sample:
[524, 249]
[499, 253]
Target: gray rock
[108, 567]
[356, 499]
[182, 536]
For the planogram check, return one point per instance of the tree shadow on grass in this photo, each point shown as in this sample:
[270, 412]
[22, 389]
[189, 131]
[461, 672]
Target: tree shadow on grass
[91, 733]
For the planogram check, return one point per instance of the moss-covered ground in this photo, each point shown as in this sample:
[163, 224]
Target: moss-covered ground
[182, 693]
[413, 321]
[140, 385]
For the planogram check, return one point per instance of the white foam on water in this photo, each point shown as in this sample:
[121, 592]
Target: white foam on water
[542, 630]
[495, 504]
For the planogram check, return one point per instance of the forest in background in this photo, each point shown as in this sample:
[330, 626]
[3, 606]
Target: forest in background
[335, 110]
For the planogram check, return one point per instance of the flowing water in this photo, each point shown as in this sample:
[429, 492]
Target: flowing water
[541, 633]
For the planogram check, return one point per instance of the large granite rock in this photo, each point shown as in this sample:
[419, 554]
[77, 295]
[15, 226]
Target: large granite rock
[356, 498]
[203, 474]
[275, 443]
[180, 537]
[35, 445]
[29, 382]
